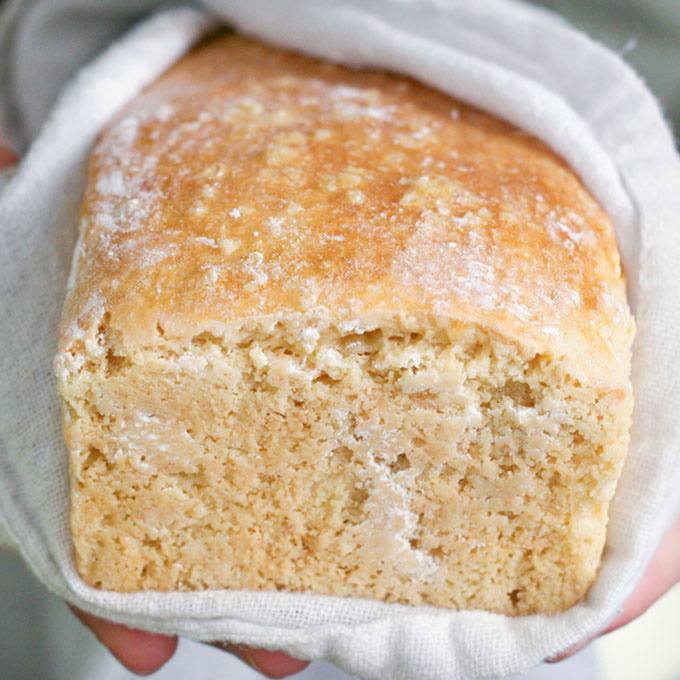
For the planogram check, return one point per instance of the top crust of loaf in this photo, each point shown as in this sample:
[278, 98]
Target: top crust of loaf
[249, 182]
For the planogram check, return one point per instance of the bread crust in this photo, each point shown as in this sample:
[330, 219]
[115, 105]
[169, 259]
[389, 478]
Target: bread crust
[248, 180]
[252, 188]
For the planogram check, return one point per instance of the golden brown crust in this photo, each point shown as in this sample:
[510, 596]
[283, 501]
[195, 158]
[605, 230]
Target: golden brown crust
[248, 181]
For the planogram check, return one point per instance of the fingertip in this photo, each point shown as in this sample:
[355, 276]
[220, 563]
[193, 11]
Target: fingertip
[276, 664]
[558, 657]
[562, 656]
[144, 653]
[271, 664]
[7, 157]
[139, 651]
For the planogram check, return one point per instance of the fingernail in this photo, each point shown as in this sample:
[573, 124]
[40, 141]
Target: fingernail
[569, 652]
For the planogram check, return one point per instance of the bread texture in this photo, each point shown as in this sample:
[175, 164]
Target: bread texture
[332, 331]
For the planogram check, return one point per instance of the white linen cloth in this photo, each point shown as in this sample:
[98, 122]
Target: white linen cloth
[519, 63]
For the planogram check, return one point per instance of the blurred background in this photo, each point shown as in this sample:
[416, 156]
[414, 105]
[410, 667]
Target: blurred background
[41, 640]
[645, 32]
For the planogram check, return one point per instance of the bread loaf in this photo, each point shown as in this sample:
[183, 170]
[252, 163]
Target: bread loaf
[332, 331]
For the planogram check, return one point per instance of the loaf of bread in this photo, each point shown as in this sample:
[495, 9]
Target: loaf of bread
[332, 331]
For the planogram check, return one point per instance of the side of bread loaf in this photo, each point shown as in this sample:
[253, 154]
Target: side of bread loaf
[332, 331]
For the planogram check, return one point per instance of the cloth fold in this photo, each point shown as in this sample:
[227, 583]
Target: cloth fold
[505, 57]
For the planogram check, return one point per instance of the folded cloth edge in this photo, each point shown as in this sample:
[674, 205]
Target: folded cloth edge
[246, 634]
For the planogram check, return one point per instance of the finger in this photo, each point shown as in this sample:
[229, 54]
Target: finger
[660, 576]
[271, 664]
[140, 652]
[571, 651]
[276, 664]
[7, 158]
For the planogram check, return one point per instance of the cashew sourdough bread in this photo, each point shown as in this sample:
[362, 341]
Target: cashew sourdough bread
[332, 331]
